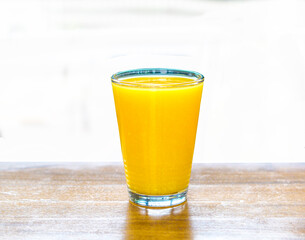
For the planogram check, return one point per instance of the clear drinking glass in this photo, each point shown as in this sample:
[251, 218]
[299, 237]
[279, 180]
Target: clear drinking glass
[157, 111]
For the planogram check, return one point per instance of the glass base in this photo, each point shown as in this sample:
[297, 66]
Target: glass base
[157, 201]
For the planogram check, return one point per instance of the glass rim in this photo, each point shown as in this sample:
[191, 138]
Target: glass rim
[146, 72]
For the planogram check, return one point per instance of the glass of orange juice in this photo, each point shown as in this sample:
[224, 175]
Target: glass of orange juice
[157, 111]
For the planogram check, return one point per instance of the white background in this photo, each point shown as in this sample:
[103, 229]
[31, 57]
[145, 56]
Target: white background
[56, 59]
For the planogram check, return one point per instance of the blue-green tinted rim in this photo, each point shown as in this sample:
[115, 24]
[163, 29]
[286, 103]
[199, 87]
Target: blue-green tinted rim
[146, 72]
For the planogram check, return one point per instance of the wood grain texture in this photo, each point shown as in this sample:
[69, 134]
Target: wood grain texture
[90, 201]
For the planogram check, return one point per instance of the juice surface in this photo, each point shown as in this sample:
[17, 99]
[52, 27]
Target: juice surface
[157, 118]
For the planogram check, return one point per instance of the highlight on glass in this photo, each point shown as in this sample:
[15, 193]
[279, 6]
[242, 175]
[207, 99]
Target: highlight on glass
[157, 112]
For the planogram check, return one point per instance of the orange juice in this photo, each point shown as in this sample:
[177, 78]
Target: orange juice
[157, 118]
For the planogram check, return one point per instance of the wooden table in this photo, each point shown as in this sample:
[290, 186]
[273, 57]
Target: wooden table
[89, 201]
